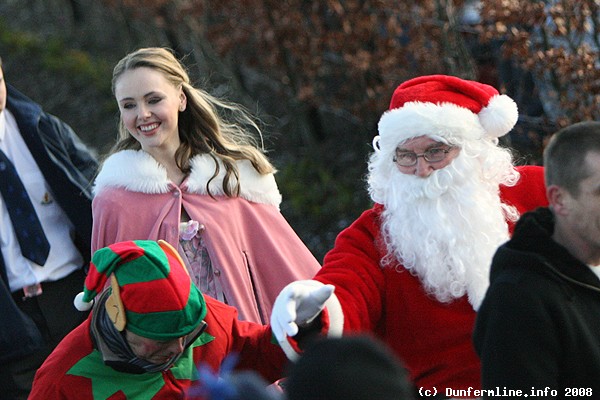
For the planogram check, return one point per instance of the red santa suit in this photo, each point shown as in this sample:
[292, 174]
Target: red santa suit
[423, 308]
[432, 338]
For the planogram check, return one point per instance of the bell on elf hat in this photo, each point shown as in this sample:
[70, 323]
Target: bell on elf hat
[152, 293]
[447, 108]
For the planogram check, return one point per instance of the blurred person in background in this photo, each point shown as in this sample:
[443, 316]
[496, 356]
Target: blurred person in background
[349, 368]
[45, 229]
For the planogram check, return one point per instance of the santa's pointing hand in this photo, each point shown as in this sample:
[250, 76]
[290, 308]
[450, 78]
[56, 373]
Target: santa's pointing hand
[298, 304]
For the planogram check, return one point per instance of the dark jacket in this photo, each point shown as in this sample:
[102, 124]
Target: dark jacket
[539, 324]
[69, 168]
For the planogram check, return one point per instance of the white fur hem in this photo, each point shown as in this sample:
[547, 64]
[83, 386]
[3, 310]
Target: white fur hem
[138, 171]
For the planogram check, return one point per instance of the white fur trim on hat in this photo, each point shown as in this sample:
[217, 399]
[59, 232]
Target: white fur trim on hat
[447, 121]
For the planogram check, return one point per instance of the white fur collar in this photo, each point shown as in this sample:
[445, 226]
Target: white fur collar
[138, 171]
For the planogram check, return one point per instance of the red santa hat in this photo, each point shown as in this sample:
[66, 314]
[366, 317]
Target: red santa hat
[448, 108]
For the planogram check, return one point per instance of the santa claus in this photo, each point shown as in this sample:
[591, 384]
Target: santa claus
[413, 269]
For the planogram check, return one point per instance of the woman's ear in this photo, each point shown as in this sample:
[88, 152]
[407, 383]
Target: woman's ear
[182, 101]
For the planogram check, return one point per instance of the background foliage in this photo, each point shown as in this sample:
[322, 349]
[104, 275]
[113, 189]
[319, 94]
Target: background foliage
[318, 74]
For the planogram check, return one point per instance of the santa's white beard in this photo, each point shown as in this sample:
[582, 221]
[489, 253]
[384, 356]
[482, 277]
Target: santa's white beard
[446, 228]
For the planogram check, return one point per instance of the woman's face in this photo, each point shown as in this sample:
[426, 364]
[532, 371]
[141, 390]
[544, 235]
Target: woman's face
[150, 106]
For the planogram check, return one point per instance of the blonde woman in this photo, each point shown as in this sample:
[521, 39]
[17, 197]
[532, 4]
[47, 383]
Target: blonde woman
[184, 173]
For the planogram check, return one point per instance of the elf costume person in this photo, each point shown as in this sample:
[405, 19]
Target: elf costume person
[148, 331]
[414, 268]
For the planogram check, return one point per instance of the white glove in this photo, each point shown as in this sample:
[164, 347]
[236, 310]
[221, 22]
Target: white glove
[298, 304]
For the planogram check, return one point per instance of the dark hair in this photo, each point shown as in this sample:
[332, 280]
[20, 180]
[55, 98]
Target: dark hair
[565, 153]
[349, 368]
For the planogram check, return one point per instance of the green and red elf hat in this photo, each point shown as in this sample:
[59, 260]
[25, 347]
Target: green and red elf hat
[152, 293]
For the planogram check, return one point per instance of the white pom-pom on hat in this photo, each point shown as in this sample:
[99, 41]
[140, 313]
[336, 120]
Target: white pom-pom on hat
[500, 115]
[80, 304]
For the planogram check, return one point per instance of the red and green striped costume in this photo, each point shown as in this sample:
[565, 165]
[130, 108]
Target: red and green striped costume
[75, 370]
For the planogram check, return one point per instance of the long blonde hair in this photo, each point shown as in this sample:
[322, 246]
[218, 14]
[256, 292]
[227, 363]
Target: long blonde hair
[208, 125]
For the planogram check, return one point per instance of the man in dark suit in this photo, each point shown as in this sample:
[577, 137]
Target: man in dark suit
[45, 175]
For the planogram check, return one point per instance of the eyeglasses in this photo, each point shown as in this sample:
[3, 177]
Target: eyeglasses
[409, 158]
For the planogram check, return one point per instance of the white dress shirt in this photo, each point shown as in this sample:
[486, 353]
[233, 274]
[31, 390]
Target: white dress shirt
[64, 257]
